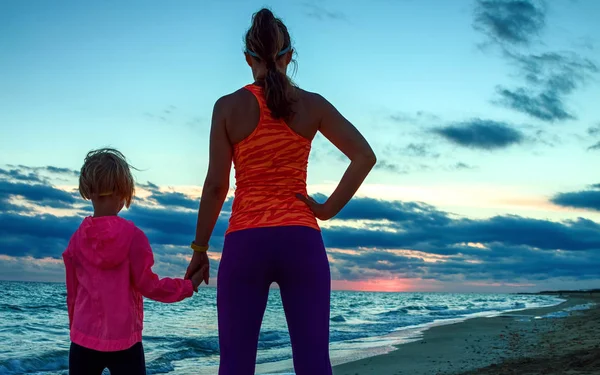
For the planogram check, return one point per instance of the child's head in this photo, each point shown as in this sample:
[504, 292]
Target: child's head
[106, 180]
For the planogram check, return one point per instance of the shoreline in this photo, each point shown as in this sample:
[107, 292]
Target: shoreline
[396, 340]
[485, 343]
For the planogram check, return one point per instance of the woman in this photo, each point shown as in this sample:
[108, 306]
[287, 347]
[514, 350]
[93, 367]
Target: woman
[266, 129]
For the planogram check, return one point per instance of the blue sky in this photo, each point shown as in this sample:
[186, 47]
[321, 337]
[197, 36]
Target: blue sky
[483, 111]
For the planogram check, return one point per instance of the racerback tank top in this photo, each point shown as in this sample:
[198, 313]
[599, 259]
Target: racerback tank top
[270, 169]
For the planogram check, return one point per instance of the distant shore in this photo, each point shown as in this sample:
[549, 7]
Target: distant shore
[550, 341]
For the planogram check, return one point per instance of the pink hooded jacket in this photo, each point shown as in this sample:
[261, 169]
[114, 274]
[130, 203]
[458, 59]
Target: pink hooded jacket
[109, 268]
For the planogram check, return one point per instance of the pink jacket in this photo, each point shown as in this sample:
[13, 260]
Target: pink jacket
[109, 268]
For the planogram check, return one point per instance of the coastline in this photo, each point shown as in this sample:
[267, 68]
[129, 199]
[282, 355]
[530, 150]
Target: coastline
[509, 343]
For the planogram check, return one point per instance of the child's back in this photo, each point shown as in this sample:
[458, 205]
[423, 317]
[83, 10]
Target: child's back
[110, 262]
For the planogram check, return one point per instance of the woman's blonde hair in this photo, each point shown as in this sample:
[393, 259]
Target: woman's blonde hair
[105, 171]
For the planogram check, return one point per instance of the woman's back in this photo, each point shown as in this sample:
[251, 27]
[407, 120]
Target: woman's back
[270, 158]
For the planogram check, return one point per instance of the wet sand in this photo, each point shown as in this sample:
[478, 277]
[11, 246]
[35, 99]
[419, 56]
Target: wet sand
[509, 344]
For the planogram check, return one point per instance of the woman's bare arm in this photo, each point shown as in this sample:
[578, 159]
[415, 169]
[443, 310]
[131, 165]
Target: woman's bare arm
[339, 131]
[216, 186]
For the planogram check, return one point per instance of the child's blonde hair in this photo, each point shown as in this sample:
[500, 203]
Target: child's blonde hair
[105, 171]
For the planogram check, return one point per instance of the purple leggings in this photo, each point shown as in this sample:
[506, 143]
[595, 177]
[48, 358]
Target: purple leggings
[293, 257]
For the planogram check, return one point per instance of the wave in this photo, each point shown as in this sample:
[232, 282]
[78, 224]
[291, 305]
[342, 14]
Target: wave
[338, 319]
[270, 336]
[436, 308]
[32, 307]
[56, 360]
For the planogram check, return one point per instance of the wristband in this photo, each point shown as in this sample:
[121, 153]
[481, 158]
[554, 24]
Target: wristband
[198, 248]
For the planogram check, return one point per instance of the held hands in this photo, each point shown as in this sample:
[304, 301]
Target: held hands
[199, 269]
[321, 210]
[198, 277]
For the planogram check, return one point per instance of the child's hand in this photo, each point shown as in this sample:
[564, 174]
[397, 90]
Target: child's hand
[199, 260]
[198, 277]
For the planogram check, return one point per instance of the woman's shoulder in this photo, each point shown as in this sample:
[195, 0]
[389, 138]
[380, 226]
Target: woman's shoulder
[312, 101]
[234, 99]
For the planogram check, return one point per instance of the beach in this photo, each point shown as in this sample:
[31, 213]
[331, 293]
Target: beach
[562, 339]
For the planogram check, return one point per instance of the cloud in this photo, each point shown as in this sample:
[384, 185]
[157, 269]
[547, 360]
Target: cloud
[512, 264]
[317, 12]
[65, 171]
[594, 147]
[384, 165]
[481, 134]
[550, 78]
[446, 237]
[175, 199]
[27, 268]
[50, 169]
[391, 153]
[417, 117]
[546, 106]
[370, 238]
[18, 175]
[595, 186]
[461, 165]
[41, 194]
[515, 22]
[41, 235]
[586, 199]
[594, 130]
[395, 211]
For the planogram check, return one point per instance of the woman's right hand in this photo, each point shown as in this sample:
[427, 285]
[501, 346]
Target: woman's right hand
[322, 211]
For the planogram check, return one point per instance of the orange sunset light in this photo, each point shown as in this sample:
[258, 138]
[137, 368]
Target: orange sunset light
[381, 285]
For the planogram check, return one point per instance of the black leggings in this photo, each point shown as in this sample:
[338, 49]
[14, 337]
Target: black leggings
[84, 361]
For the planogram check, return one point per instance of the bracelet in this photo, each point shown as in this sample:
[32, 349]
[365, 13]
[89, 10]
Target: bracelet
[198, 248]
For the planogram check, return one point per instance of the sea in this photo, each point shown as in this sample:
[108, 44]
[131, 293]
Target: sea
[182, 338]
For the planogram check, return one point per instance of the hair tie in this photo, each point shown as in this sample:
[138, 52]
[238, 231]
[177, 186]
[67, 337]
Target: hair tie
[280, 53]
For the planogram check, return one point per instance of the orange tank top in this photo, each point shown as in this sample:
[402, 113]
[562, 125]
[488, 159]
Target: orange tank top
[270, 169]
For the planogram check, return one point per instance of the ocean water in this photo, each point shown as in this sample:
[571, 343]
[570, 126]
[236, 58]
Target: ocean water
[182, 338]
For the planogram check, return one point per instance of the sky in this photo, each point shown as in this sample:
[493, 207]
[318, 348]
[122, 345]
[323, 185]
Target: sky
[483, 115]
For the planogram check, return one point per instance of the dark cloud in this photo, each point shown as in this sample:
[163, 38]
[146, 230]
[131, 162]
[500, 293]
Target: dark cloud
[317, 12]
[548, 78]
[433, 237]
[41, 235]
[65, 171]
[50, 169]
[595, 186]
[551, 78]
[174, 199]
[395, 211]
[384, 165]
[461, 165]
[481, 134]
[414, 150]
[41, 194]
[594, 147]
[512, 264]
[547, 106]
[150, 186]
[499, 248]
[420, 150]
[18, 175]
[515, 22]
[586, 199]
[594, 130]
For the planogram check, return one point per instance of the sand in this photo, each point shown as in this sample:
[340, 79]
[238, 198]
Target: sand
[512, 343]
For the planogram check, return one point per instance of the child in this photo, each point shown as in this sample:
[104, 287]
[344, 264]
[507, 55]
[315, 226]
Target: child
[109, 268]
